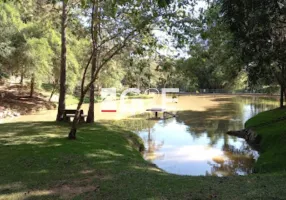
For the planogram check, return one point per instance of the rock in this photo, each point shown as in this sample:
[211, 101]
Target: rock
[249, 135]
[240, 133]
[252, 137]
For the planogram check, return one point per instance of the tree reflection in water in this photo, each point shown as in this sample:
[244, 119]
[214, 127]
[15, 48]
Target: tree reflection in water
[153, 146]
[237, 162]
[203, 131]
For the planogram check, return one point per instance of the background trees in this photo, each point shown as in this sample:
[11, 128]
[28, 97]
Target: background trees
[31, 44]
[259, 34]
[80, 46]
[114, 26]
[214, 63]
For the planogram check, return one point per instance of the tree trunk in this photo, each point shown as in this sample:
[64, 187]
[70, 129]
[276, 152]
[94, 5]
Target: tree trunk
[86, 87]
[282, 85]
[285, 95]
[139, 82]
[281, 96]
[22, 77]
[90, 116]
[94, 33]
[165, 84]
[53, 91]
[62, 95]
[32, 86]
[72, 133]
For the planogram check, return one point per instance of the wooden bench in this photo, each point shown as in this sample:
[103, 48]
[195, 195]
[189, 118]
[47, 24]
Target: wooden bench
[68, 114]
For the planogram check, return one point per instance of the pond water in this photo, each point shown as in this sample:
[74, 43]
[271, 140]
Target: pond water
[196, 143]
[193, 143]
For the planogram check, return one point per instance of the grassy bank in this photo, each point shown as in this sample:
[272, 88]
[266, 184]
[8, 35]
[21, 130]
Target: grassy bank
[273, 143]
[38, 162]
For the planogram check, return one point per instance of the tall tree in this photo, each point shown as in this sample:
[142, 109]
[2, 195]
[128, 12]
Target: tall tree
[95, 29]
[259, 31]
[122, 22]
[62, 95]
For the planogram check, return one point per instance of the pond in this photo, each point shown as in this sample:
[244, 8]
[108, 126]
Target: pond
[196, 143]
[193, 143]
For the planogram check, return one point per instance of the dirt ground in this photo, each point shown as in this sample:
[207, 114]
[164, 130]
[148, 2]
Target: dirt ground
[16, 98]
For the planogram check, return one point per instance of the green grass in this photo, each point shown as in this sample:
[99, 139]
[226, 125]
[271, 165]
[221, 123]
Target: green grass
[71, 100]
[266, 117]
[273, 143]
[38, 162]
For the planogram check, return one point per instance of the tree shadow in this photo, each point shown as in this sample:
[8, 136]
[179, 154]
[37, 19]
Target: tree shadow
[39, 155]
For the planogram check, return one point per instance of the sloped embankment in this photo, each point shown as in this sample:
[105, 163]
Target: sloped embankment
[268, 130]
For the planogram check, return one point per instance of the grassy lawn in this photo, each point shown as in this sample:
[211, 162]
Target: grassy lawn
[38, 162]
[273, 144]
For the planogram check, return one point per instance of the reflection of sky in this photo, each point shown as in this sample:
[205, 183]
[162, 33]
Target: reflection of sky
[249, 110]
[183, 152]
[247, 114]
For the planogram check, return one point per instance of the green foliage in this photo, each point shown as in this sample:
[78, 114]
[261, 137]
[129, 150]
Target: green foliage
[258, 28]
[38, 57]
[138, 71]
[111, 76]
[32, 45]
[10, 23]
[214, 63]
[122, 25]
[73, 71]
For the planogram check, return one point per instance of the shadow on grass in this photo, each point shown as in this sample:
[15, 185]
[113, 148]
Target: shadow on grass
[39, 155]
[38, 162]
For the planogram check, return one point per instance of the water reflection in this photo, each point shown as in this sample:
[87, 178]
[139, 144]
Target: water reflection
[239, 161]
[195, 142]
[152, 147]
